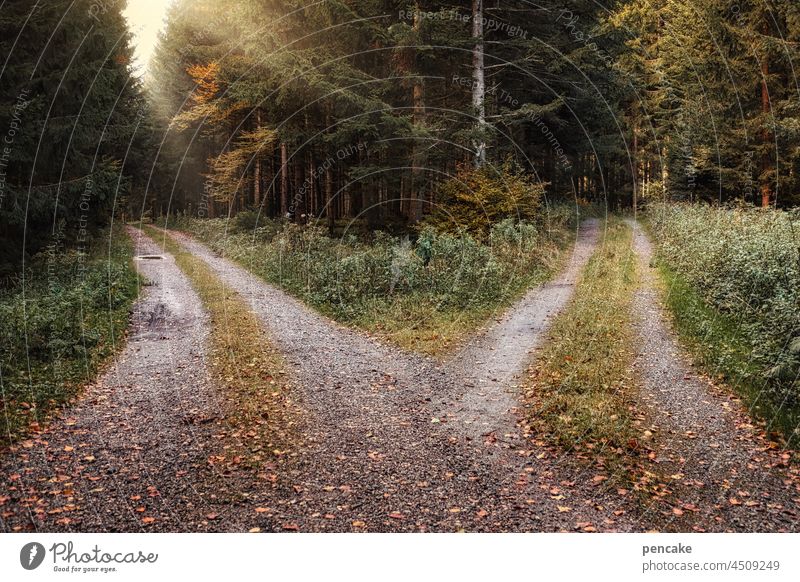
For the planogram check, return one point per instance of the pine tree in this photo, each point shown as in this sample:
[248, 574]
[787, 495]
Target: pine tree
[70, 122]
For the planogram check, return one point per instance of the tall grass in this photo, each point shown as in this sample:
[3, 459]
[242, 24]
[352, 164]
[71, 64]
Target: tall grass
[734, 287]
[59, 324]
[422, 293]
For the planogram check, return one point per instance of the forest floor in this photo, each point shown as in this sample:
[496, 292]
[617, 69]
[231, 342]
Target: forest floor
[389, 440]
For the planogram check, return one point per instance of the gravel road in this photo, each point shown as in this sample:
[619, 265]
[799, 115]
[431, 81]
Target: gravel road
[722, 471]
[493, 360]
[390, 441]
[383, 448]
[131, 453]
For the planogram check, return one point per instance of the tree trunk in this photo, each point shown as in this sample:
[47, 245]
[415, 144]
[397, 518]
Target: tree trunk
[297, 206]
[329, 198]
[284, 180]
[257, 169]
[635, 170]
[418, 161]
[479, 83]
[311, 190]
[766, 162]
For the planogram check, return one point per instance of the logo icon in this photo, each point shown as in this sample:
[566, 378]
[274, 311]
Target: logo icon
[31, 555]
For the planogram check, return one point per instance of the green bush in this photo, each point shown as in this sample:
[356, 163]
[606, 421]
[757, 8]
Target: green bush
[60, 325]
[745, 264]
[355, 278]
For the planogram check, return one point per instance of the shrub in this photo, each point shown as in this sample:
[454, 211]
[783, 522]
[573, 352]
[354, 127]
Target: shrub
[745, 263]
[385, 280]
[476, 199]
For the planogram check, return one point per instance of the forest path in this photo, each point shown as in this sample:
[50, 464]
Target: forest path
[495, 358]
[725, 473]
[130, 454]
[380, 451]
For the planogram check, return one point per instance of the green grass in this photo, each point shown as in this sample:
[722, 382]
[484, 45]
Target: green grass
[424, 294]
[243, 361]
[581, 387]
[60, 327]
[732, 285]
[718, 344]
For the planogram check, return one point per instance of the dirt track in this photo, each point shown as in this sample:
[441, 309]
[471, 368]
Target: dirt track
[384, 448]
[390, 441]
[724, 474]
[134, 446]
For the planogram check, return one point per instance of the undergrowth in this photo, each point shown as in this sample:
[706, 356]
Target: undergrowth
[733, 287]
[60, 323]
[422, 293]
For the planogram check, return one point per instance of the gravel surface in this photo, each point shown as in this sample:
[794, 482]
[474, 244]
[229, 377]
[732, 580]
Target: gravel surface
[384, 446]
[493, 360]
[722, 471]
[131, 453]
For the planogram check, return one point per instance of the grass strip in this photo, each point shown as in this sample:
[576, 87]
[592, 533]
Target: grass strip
[244, 363]
[581, 386]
